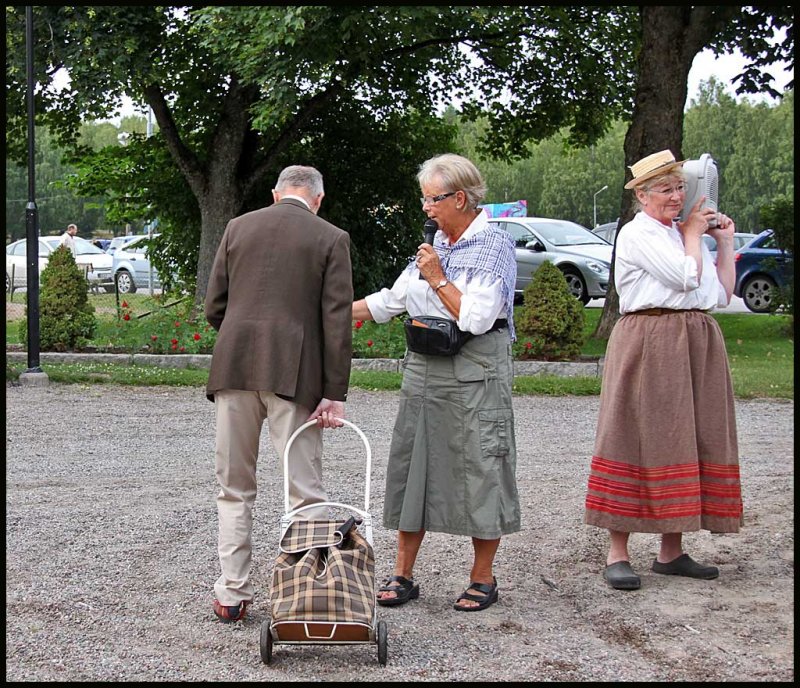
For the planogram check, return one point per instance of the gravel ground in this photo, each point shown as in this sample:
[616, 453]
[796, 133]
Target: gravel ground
[111, 556]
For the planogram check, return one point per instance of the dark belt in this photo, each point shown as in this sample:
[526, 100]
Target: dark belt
[498, 325]
[666, 311]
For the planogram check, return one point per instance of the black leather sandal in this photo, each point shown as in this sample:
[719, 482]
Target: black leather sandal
[490, 596]
[407, 590]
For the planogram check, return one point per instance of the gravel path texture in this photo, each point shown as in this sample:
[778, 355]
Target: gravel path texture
[111, 556]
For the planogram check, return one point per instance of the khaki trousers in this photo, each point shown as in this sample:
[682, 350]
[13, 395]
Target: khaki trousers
[240, 415]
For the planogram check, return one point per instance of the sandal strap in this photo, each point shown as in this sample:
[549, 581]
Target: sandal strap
[485, 588]
[472, 598]
[405, 584]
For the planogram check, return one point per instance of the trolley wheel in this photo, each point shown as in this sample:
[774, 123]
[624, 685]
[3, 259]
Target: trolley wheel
[383, 641]
[266, 642]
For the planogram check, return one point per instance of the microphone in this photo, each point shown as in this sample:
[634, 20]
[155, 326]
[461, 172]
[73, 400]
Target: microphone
[429, 228]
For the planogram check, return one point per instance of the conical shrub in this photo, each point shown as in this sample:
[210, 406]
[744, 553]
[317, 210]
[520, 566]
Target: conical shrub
[66, 318]
[551, 318]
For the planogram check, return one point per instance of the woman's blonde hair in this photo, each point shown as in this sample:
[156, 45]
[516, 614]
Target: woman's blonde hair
[455, 173]
[674, 175]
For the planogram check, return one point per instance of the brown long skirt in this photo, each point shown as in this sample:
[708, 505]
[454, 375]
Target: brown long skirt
[666, 458]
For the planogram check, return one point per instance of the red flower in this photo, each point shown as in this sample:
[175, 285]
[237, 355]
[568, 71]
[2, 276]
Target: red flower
[183, 348]
[369, 342]
[528, 345]
[359, 324]
[124, 304]
[153, 337]
[196, 336]
[127, 316]
[174, 346]
[174, 342]
[177, 323]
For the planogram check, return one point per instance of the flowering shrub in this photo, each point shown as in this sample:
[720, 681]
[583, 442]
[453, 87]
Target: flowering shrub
[161, 330]
[374, 340]
[177, 332]
[148, 326]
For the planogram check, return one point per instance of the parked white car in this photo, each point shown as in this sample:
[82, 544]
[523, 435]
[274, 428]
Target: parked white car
[95, 262]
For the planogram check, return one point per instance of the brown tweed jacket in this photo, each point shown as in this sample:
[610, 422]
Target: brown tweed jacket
[280, 295]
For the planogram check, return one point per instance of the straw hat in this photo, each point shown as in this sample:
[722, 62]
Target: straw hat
[651, 166]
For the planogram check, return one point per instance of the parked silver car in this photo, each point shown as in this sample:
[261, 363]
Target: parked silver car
[131, 267]
[583, 257]
[120, 241]
[607, 231]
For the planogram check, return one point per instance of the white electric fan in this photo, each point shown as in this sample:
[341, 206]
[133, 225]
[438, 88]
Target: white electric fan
[702, 179]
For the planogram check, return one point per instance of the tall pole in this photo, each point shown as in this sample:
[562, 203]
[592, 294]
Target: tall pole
[31, 213]
[594, 205]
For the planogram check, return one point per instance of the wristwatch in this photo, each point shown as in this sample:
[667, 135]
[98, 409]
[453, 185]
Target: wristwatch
[441, 284]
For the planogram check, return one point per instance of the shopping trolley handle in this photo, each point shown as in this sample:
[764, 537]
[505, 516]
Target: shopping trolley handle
[308, 424]
[347, 526]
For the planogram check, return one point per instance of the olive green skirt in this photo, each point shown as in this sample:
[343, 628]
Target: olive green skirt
[452, 461]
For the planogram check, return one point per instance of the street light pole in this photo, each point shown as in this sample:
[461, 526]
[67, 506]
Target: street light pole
[34, 374]
[594, 204]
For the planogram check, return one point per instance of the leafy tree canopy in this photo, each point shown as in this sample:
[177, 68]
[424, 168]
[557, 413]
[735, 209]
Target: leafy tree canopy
[235, 89]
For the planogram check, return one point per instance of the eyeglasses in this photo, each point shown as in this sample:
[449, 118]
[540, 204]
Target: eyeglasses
[430, 200]
[671, 190]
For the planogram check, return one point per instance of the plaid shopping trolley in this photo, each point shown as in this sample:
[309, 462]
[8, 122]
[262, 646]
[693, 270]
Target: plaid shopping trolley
[323, 582]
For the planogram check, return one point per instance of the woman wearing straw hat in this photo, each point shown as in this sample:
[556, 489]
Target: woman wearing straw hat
[666, 457]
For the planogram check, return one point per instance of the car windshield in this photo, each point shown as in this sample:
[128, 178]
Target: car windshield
[566, 233]
[81, 245]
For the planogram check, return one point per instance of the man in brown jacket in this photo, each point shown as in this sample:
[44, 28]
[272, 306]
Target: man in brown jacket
[280, 296]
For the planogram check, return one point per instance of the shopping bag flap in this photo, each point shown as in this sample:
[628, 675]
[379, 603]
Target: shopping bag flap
[304, 535]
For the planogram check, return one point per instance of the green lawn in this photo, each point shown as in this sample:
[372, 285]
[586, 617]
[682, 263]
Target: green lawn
[760, 350]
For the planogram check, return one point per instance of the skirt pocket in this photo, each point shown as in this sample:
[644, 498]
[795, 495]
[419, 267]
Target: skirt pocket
[495, 431]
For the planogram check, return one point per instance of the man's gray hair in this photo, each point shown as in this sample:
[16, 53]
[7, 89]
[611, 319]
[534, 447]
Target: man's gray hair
[300, 176]
[454, 173]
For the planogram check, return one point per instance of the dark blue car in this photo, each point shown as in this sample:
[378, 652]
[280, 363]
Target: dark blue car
[761, 267]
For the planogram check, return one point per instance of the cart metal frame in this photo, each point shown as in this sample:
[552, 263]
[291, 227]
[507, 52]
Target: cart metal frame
[325, 632]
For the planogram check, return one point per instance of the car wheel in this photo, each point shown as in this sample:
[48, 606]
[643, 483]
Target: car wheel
[125, 284]
[577, 286]
[757, 293]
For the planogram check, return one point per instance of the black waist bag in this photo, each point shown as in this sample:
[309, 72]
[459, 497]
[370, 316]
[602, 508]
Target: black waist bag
[434, 336]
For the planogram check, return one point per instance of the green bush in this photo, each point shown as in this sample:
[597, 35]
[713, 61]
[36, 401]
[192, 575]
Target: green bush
[779, 216]
[551, 319]
[66, 318]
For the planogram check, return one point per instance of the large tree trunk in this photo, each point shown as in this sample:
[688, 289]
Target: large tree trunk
[671, 37]
[223, 203]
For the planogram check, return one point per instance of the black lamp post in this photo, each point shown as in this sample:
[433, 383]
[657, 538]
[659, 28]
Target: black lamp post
[31, 214]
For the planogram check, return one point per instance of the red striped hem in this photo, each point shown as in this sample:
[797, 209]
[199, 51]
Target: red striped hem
[676, 470]
[639, 491]
[687, 470]
[663, 511]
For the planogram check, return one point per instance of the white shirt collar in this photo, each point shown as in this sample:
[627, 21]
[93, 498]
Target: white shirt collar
[297, 198]
[480, 223]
